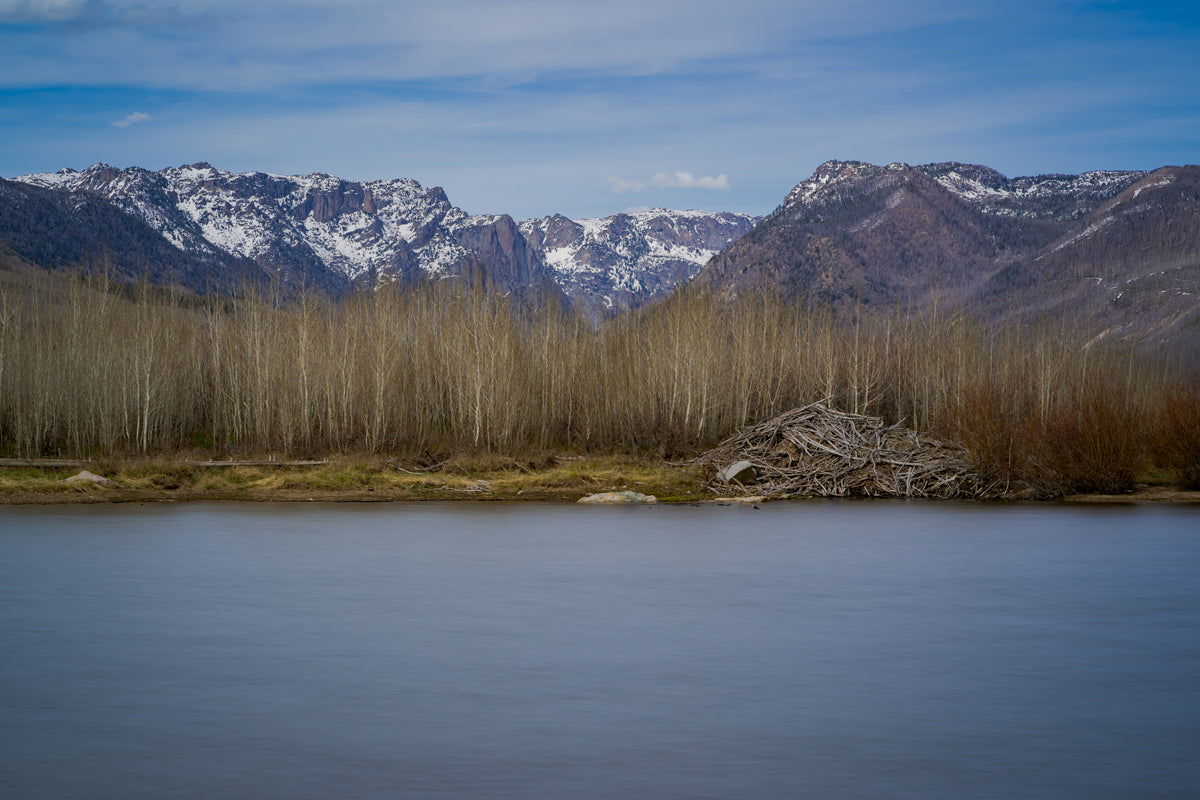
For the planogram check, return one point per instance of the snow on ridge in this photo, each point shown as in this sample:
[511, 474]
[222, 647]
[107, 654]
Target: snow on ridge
[353, 227]
[565, 261]
[969, 188]
[1085, 233]
[636, 253]
[1166, 181]
[830, 174]
[64, 178]
[982, 187]
[234, 214]
[593, 227]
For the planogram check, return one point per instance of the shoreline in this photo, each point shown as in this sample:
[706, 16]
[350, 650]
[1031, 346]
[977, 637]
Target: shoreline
[358, 480]
[349, 479]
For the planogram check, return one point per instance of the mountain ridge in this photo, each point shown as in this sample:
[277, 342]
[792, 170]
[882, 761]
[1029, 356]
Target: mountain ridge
[327, 231]
[1117, 251]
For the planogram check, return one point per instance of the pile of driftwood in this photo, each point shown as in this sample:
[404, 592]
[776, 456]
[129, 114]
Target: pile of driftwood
[816, 451]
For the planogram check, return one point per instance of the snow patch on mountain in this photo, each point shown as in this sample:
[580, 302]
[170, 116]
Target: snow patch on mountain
[353, 228]
[1041, 196]
[1165, 181]
[824, 178]
[1090, 230]
[629, 258]
[391, 228]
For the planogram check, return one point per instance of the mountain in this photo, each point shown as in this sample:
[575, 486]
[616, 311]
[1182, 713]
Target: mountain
[1130, 270]
[323, 231]
[859, 233]
[615, 263]
[68, 229]
[1117, 252]
[316, 230]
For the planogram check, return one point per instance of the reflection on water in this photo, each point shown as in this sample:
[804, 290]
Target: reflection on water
[826, 650]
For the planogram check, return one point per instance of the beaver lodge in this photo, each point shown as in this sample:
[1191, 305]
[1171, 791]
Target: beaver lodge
[817, 451]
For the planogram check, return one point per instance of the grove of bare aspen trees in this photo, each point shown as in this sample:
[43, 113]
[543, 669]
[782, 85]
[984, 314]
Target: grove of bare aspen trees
[90, 368]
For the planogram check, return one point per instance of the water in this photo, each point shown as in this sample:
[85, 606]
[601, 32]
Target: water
[823, 650]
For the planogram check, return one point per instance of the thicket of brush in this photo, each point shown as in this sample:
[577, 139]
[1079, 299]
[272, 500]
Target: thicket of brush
[89, 368]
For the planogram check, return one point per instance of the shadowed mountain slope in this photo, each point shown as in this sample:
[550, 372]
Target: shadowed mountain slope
[1115, 252]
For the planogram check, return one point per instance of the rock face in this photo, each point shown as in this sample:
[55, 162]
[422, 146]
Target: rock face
[320, 230]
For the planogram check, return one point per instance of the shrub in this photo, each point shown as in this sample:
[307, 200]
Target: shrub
[1001, 442]
[1092, 445]
[1175, 438]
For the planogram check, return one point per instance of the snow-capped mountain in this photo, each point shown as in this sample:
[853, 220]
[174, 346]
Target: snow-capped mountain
[317, 228]
[1057, 197]
[320, 229]
[54, 230]
[615, 263]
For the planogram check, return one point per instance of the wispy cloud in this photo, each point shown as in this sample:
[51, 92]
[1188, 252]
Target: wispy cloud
[678, 179]
[686, 180]
[130, 119]
[622, 185]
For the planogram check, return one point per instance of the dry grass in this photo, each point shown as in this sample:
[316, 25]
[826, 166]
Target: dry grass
[357, 478]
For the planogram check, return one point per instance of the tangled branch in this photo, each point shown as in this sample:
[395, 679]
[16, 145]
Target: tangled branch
[817, 451]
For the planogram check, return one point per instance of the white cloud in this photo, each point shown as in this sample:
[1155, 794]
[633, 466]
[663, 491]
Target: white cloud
[686, 180]
[622, 185]
[678, 179]
[137, 116]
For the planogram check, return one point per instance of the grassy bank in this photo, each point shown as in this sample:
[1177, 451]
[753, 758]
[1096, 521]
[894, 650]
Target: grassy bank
[93, 370]
[360, 478]
[371, 479]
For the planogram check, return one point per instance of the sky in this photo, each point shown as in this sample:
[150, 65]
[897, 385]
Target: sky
[536, 107]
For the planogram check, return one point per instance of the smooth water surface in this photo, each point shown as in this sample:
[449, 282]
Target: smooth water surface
[806, 650]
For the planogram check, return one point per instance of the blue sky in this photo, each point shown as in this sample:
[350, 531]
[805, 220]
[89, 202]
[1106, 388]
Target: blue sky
[533, 107]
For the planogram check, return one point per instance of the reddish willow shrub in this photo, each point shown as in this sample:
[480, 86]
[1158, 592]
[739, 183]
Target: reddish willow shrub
[1175, 432]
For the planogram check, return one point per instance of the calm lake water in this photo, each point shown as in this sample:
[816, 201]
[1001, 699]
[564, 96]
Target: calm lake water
[810, 650]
